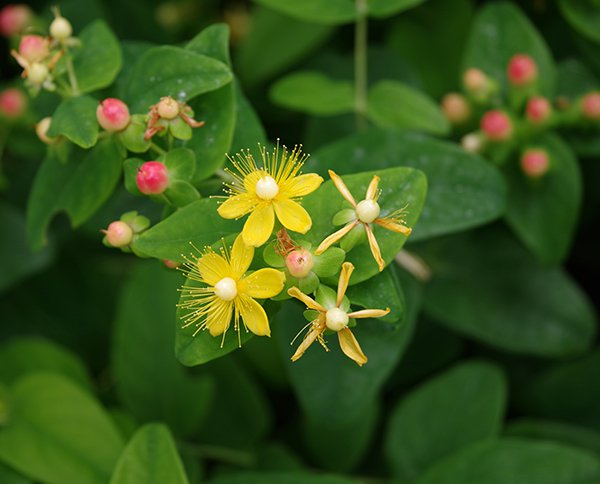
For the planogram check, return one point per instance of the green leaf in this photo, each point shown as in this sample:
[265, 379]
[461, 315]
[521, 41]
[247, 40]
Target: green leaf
[99, 60]
[387, 8]
[181, 164]
[462, 406]
[75, 119]
[583, 15]
[544, 213]
[515, 460]
[79, 188]
[313, 93]
[213, 42]
[380, 292]
[150, 457]
[75, 440]
[400, 187]
[172, 71]
[8, 476]
[181, 193]
[295, 477]
[488, 287]
[156, 388]
[133, 136]
[249, 130]
[501, 30]
[328, 12]
[131, 166]
[197, 223]
[392, 104]
[463, 190]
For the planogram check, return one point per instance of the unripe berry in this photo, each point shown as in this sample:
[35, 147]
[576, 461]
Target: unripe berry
[535, 163]
[299, 263]
[456, 108]
[42, 128]
[522, 70]
[34, 48]
[37, 73]
[496, 125]
[119, 234]
[472, 142]
[590, 106]
[152, 178]
[267, 188]
[475, 81]
[14, 19]
[12, 103]
[538, 110]
[61, 29]
[113, 114]
[168, 108]
[336, 319]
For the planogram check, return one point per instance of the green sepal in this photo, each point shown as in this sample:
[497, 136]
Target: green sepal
[344, 216]
[181, 164]
[326, 297]
[180, 193]
[353, 238]
[311, 314]
[329, 262]
[309, 284]
[131, 167]
[138, 223]
[132, 137]
[271, 257]
[290, 282]
[180, 129]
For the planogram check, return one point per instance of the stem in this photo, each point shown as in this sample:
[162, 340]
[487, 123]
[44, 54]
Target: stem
[72, 77]
[360, 65]
[157, 148]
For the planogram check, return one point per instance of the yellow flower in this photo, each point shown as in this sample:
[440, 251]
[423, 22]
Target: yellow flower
[336, 319]
[229, 292]
[366, 212]
[268, 191]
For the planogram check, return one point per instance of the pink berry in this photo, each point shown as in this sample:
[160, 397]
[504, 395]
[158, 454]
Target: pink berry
[535, 163]
[152, 178]
[14, 18]
[496, 125]
[299, 263]
[34, 48]
[522, 70]
[170, 264]
[113, 114]
[538, 109]
[590, 105]
[12, 103]
[456, 108]
[119, 234]
[474, 80]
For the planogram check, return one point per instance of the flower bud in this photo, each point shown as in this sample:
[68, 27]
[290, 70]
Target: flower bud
[113, 114]
[37, 73]
[299, 263]
[34, 48]
[535, 163]
[119, 234]
[496, 125]
[152, 178]
[14, 19]
[13, 103]
[60, 28]
[538, 110]
[522, 70]
[475, 81]
[472, 142]
[456, 108]
[42, 128]
[168, 108]
[590, 106]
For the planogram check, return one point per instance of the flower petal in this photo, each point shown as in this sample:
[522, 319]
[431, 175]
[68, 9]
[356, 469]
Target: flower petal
[213, 268]
[309, 301]
[218, 316]
[341, 186]
[347, 270]
[309, 339]
[259, 226]
[253, 314]
[369, 313]
[350, 347]
[374, 247]
[333, 238]
[237, 206]
[393, 226]
[372, 190]
[241, 257]
[292, 215]
[263, 283]
[301, 185]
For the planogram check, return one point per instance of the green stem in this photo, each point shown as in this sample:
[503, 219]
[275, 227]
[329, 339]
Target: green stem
[157, 148]
[360, 65]
[72, 77]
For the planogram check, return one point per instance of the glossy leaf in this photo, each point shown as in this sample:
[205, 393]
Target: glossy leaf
[298, 477]
[75, 119]
[380, 292]
[386, 8]
[249, 130]
[9, 476]
[583, 15]
[328, 12]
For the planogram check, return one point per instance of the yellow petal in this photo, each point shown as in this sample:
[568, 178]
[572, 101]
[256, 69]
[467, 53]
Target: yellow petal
[241, 257]
[292, 215]
[309, 301]
[333, 238]
[347, 270]
[309, 339]
[213, 268]
[393, 226]
[237, 206]
[341, 186]
[259, 225]
[263, 283]
[253, 314]
[350, 347]
[369, 313]
[374, 247]
[301, 185]
[372, 190]
[251, 179]
[218, 316]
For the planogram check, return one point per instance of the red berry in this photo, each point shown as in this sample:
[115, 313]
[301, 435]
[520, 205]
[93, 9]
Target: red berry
[113, 114]
[170, 264]
[535, 163]
[496, 125]
[14, 18]
[522, 70]
[12, 103]
[119, 234]
[456, 108]
[538, 109]
[590, 105]
[34, 48]
[152, 178]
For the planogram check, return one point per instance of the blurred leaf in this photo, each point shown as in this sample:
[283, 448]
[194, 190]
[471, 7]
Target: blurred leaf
[156, 388]
[574, 78]
[583, 15]
[379, 292]
[463, 405]
[396, 105]
[213, 42]
[75, 440]
[386, 8]
[79, 188]
[75, 118]
[79, 12]
[248, 127]
[463, 190]
[486, 286]
[131, 50]
[8, 476]
[544, 213]
[328, 12]
[150, 457]
[313, 93]
[515, 460]
[247, 477]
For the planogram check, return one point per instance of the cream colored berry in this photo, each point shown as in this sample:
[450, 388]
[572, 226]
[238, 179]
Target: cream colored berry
[226, 289]
[336, 319]
[267, 188]
[367, 211]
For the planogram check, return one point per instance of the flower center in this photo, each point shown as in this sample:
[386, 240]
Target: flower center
[336, 319]
[299, 263]
[266, 188]
[226, 289]
[367, 211]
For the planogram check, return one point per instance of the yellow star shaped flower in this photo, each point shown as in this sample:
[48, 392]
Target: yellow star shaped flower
[268, 191]
[229, 292]
[366, 212]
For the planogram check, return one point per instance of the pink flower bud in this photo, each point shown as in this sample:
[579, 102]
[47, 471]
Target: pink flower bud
[496, 125]
[170, 264]
[522, 70]
[14, 19]
[535, 163]
[41, 129]
[168, 108]
[152, 178]
[299, 263]
[456, 108]
[119, 234]
[12, 103]
[113, 114]
[538, 110]
[475, 81]
[590, 105]
[34, 48]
